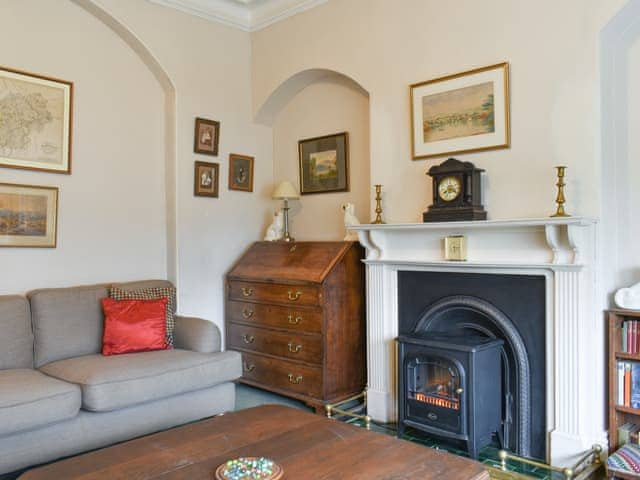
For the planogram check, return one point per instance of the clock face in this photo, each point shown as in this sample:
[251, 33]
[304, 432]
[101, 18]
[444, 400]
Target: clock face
[449, 188]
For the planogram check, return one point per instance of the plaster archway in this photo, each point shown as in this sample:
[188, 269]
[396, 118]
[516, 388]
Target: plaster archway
[616, 40]
[170, 125]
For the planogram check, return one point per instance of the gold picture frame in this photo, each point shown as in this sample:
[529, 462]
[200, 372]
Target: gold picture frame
[28, 216]
[240, 172]
[461, 113]
[37, 121]
[206, 136]
[324, 164]
[206, 178]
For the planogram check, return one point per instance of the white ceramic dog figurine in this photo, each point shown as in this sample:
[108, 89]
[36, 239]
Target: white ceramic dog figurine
[275, 231]
[628, 298]
[350, 218]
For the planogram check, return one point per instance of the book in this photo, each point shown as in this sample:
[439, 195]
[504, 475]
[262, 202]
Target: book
[624, 432]
[625, 327]
[635, 384]
[620, 397]
[627, 384]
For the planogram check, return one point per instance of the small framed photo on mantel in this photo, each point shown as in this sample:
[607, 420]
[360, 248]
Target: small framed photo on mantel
[240, 172]
[206, 179]
[324, 164]
[206, 137]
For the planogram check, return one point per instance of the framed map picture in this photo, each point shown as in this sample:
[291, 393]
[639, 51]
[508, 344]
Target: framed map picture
[240, 172]
[465, 112]
[324, 164]
[28, 215]
[35, 126]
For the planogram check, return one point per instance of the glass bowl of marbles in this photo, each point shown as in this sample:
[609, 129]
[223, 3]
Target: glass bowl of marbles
[249, 468]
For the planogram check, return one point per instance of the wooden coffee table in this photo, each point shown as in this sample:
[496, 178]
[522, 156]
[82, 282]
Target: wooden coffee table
[308, 447]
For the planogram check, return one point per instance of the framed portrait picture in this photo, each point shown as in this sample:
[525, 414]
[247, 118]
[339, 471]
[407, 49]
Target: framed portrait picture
[28, 215]
[206, 179]
[206, 136]
[465, 112]
[35, 126]
[240, 172]
[324, 164]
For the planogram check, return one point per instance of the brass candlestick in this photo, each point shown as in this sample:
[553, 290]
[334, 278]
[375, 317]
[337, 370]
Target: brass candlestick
[378, 219]
[560, 199]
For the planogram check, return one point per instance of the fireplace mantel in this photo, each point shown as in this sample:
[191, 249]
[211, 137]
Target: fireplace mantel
[563, 250]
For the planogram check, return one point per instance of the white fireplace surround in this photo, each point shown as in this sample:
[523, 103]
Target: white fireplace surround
[563, 250]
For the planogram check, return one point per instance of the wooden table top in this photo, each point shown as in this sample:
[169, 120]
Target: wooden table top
[308, 447]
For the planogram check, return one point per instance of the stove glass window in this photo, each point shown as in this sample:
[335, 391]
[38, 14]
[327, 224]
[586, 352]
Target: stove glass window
[434, 381]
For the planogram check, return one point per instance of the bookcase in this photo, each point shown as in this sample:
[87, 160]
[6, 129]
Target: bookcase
[619, 414]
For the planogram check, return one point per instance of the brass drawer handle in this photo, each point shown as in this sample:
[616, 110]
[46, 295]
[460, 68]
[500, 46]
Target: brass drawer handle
[247, 313]
[293, 349]
[247, 292]
[248, 368]
[295, 380]
[294, 296]
[294, 321]
[248, 338]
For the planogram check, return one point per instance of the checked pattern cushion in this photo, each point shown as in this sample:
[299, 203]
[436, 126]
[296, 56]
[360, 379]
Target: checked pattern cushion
[152, 293]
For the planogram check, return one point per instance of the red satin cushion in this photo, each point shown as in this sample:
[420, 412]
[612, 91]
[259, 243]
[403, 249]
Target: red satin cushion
[134, 326]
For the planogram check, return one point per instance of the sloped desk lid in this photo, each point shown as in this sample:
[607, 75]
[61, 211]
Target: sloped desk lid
[280, 261]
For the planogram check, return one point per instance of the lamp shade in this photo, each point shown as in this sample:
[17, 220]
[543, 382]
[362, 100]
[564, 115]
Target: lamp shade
[285, 190]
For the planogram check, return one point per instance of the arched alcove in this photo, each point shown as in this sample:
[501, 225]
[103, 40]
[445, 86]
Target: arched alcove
[310, 104]
[170, 126]
[618, 40]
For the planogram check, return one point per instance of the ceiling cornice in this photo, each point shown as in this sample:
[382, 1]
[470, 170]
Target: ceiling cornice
[246, 15]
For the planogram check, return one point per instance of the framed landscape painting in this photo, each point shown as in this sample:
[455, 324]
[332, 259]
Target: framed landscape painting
[35, 121]
[240, 172]
[324, 164]
[28, 215]
[465, 112]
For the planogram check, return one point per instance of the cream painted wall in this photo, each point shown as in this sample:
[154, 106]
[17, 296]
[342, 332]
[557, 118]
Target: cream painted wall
[112, 209]
[330, 105]
[111, 222]
[630, 262]
[386, 46]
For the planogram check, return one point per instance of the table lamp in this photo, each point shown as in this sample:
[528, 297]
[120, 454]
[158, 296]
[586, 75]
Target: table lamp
[285, 191]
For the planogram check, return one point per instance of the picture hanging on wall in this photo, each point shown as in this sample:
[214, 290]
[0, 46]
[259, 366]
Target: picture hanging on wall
[35, 121]
[324, 164]
[206, 137]
[464, 112]
[28, 215]
[206, 179]
[240, 172]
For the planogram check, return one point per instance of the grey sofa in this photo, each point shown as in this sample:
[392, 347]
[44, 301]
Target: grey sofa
[59, 396]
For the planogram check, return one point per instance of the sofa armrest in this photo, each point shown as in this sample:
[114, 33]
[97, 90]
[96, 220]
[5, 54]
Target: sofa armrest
[196, 334]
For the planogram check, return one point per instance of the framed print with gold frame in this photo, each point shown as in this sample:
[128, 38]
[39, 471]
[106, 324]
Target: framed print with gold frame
[206, 137]
[324, 164]
[28, 215]
[206, 179]
[464, 112]
[240, 172]
[35, 121]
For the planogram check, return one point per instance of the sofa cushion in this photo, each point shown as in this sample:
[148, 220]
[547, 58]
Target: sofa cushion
[30, 399]
[113, 382]
[67, 322]
[16, 340]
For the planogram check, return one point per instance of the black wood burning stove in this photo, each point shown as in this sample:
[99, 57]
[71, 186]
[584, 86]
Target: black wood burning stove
[450, 387]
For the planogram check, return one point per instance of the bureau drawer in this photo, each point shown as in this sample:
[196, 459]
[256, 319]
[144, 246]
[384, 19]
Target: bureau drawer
[288, 318]
[274, 293]
[307, 348]
[282, 374]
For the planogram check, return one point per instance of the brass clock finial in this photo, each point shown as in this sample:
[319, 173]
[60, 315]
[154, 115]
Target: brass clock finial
[378, 219]
[560, 198]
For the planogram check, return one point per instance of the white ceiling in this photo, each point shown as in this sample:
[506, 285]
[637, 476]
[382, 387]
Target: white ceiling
[248, 15]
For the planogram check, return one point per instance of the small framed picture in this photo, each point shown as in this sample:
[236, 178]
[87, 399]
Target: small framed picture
[206, 179]
[206, 137]
[324, 164]
[28, 215]
[240, 172]
[464, 112]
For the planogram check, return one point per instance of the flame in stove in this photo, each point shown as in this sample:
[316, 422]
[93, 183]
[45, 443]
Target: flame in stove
[438, 401]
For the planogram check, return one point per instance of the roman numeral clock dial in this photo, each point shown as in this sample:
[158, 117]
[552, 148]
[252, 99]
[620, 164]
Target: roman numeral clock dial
[457, 192]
